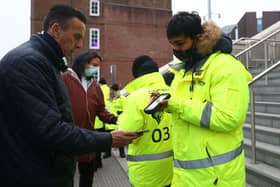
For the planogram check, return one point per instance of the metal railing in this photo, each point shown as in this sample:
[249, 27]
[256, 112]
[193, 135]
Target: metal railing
[264, 42]
[246, 54]
[252, 108]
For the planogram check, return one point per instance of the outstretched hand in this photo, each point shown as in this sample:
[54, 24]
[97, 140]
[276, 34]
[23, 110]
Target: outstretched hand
[121, 138]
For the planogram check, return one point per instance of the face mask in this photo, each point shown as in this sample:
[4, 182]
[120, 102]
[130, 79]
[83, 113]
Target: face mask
[184, 56]
[90, 71]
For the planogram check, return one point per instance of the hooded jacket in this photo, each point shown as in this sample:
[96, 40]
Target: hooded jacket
[38, 138]
[150, 156]
[208, 105]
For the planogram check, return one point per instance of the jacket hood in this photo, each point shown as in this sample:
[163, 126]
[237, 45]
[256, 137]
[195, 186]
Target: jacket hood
[212, 40]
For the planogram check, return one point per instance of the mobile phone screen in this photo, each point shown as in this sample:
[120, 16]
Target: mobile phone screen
[155, 105]
[142, 131]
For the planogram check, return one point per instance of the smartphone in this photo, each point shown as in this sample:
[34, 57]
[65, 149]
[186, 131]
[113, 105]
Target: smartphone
[142, 131]
[155, 105]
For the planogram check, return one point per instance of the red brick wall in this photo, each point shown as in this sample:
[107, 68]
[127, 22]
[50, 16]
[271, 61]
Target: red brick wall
[128, 28]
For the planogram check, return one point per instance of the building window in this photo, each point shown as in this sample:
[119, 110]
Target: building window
[259, 24]
[94, 38]
[94, 8]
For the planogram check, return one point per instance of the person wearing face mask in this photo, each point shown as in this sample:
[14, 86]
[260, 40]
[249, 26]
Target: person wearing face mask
[208, 104]
[87, 102]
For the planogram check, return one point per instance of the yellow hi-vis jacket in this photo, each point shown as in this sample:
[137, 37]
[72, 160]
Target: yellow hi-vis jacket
[114, 106]
[150, 157]
[207, 120]
[98, 124]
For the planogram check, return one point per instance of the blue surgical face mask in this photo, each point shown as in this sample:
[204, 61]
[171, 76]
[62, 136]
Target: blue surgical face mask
[90, 71]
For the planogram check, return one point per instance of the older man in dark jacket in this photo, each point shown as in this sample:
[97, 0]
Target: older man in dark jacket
[37, 136]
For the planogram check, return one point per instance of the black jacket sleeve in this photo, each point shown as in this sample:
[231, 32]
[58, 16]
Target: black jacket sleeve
[34, 98]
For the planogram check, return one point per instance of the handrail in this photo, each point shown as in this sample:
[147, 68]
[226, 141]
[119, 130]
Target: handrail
[252, 96]
[258, 43]
[252, 108]
[265, 72]
[251, 39]
[244, 38]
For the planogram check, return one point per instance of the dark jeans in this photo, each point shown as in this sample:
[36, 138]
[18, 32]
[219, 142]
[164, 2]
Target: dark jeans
[98, 154]
[86, 170]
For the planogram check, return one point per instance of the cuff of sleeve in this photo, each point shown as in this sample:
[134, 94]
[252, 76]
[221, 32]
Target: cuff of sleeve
[114, 120]
[104, 140]
[173, 106]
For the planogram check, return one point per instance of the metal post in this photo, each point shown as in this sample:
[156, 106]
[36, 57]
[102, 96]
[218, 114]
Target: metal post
[113, 69]
[209, 9]
[247, 60]
[265, 61]
[253, 128]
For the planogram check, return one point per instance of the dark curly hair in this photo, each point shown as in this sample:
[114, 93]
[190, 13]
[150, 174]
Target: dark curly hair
[82, 59]
[184, 23]
[142, 65]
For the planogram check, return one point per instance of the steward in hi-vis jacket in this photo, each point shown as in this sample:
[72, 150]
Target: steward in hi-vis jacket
[150, 158]
[208, 103]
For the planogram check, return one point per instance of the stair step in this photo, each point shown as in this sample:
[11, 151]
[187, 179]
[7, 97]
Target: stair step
[263, 88]
[249, 185]
[267, 107]
[264, 134]
[265, 119]
[265, 175]
[267, 96]
[266, 153]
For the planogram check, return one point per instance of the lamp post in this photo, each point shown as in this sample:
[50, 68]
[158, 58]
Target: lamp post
[210, 13]
[209, 9]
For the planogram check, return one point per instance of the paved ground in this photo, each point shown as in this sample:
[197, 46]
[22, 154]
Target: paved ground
[112, 174]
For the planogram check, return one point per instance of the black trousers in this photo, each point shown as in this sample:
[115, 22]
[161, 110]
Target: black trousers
[98, 154]
[86, 170]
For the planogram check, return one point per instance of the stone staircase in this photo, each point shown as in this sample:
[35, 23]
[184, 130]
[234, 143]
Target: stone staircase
[266, 172]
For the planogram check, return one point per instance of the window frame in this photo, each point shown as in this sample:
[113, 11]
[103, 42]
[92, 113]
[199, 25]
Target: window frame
[93, 29]
[91, 13]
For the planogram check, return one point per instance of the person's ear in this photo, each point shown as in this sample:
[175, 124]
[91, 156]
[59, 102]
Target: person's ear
[55, 30]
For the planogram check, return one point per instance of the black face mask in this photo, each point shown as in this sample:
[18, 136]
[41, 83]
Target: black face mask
[184, 56]
[189, 57]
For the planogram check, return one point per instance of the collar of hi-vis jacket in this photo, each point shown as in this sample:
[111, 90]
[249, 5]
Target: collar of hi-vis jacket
[198, 71]
[144, 80]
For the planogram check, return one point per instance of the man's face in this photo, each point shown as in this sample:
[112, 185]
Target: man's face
[71, 37]
[181, 42]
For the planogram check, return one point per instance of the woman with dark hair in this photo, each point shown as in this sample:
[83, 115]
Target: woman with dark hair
[87, 102]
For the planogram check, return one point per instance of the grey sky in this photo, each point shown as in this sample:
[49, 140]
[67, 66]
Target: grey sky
[15, 15]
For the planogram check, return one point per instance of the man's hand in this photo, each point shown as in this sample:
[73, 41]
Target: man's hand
[163, 103]
[122, 138]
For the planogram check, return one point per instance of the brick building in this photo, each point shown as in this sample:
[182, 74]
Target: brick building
[249, 24]
[119, 30]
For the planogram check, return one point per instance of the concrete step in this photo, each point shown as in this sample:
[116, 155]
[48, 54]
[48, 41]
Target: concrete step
[265, 119]
[262, 175]
[267, 96]
[265, 153]
[270, 88]
[259, 70]
[267, 107]
[263, 134]
[249, 185]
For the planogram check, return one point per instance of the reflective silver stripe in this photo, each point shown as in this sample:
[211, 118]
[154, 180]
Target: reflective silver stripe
[206, 115]
[137, 158]
[210, 161]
